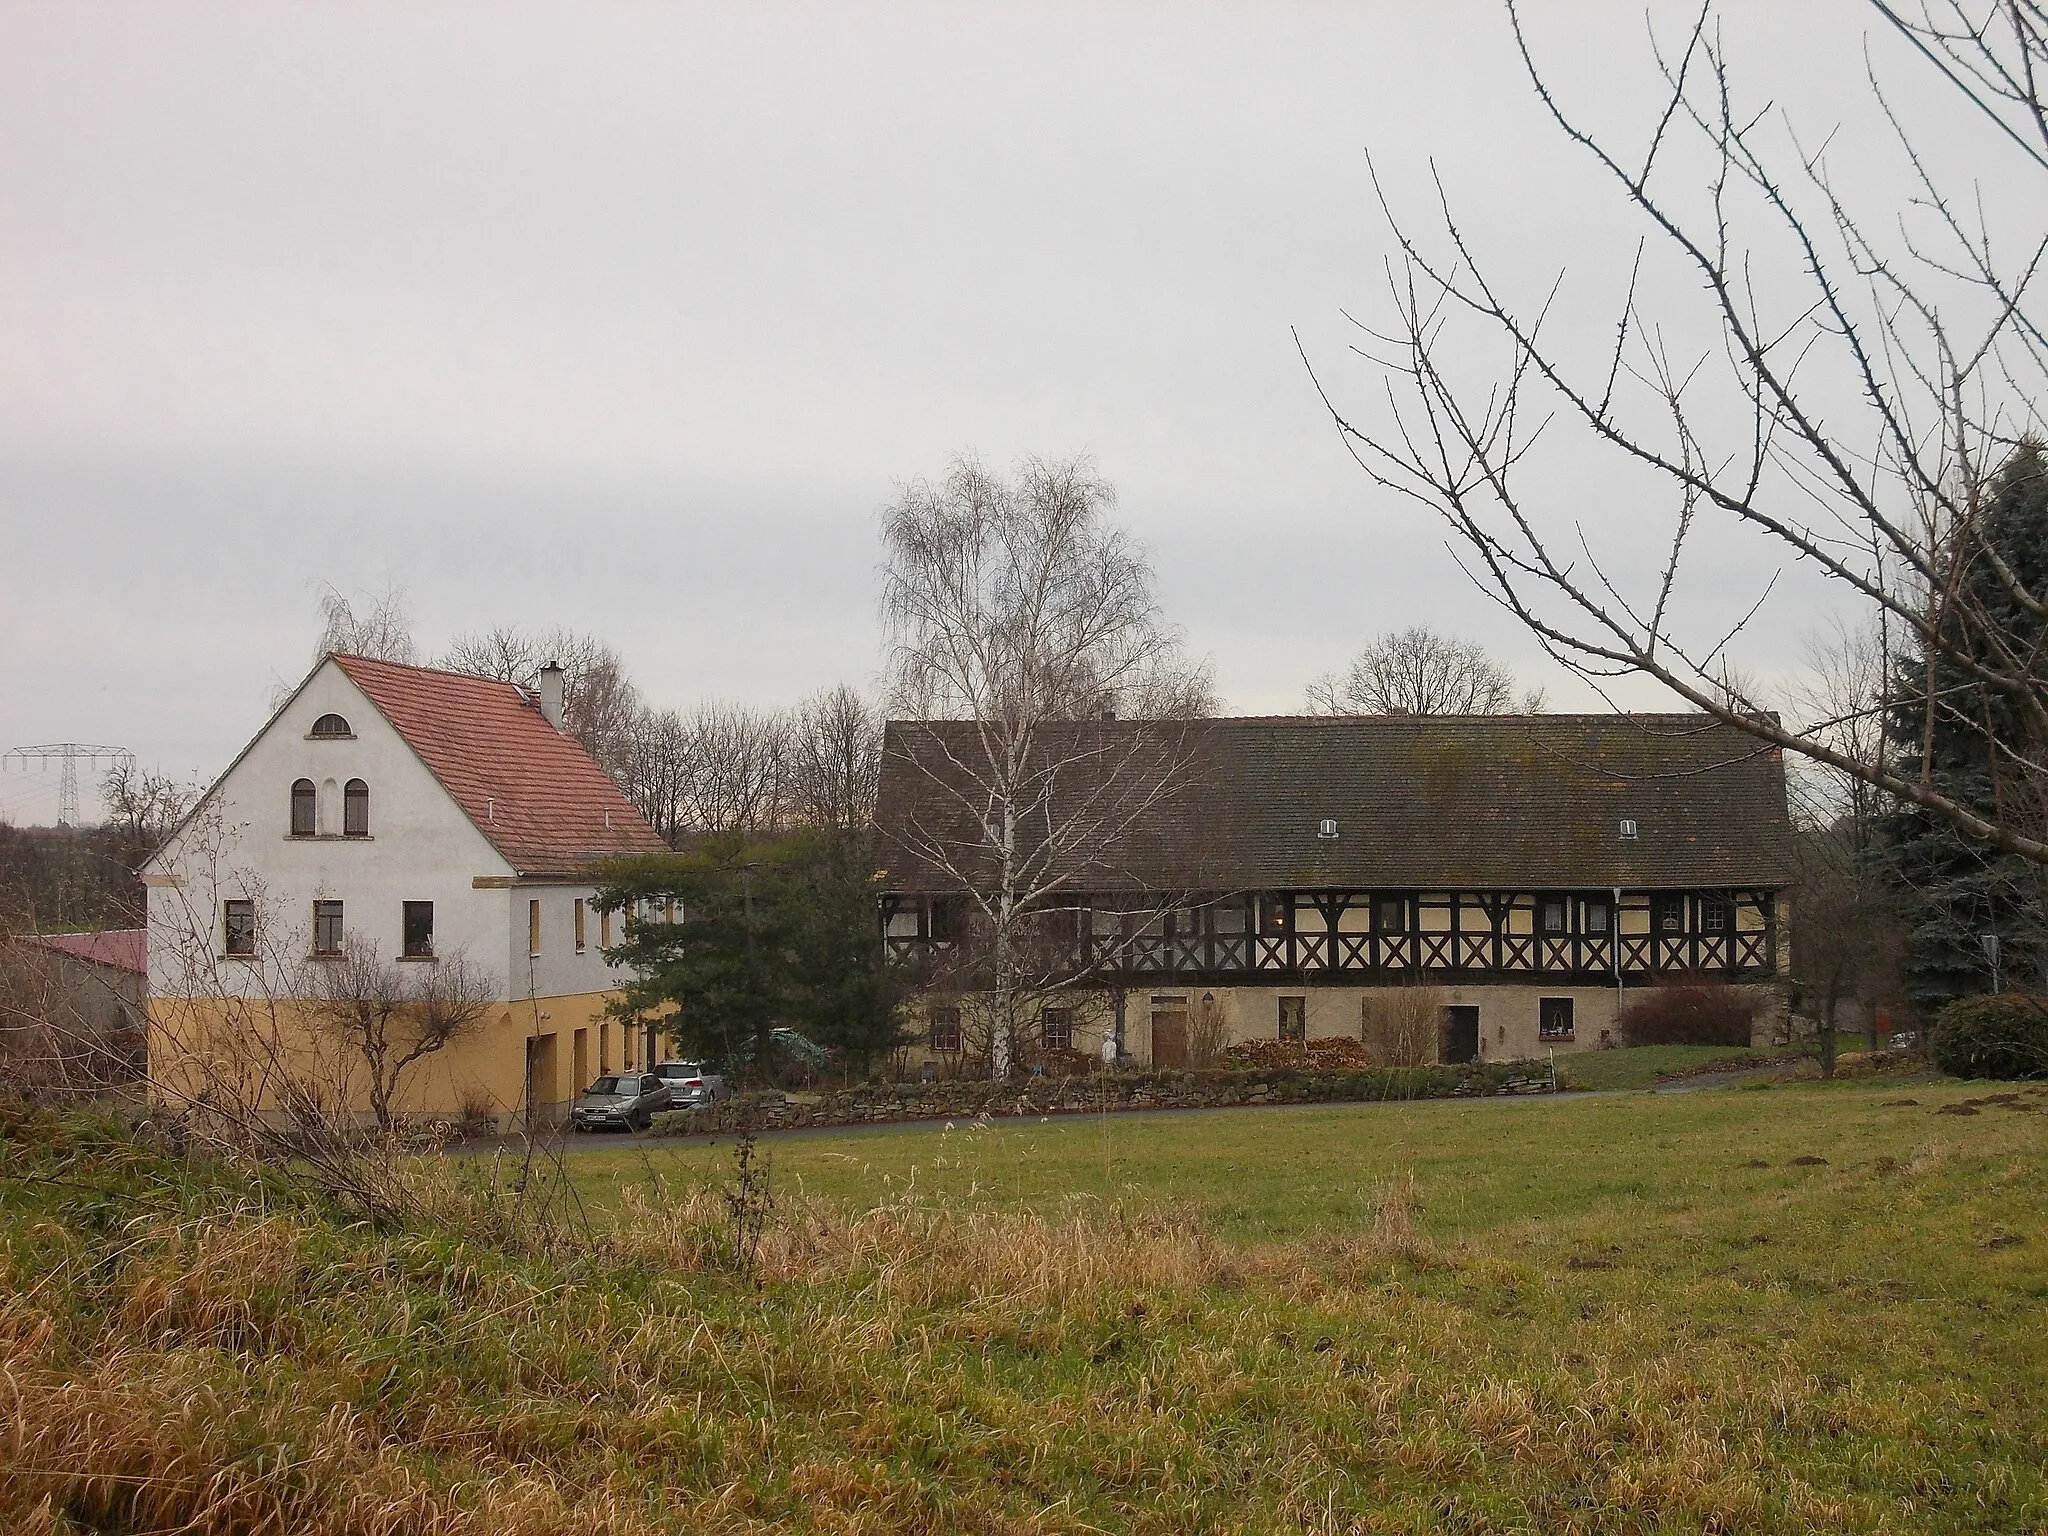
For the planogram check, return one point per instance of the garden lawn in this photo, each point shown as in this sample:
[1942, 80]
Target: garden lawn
[1644, 1066]
[1807, 1308]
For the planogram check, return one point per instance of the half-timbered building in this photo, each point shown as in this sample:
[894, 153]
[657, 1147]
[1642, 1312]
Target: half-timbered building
[1531, 871]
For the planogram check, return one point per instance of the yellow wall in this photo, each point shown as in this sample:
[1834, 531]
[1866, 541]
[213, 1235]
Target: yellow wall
[259, 1052]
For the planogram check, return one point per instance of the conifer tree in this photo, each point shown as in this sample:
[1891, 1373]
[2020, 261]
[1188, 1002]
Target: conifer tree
[1953, 890]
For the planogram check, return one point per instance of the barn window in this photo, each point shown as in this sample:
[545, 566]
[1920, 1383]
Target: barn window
[1556, 915]
[944, 919]
[238, 928]
[1390, 914]
[1596, 917]
[1669, 914]
[303, 824]
[327, 928]
[945, 1029]
[355, 809]
[1057, 1026]
[1554, 1018]
[1713, 914]
[331, 726]
[1294, 1018]
[418, 934]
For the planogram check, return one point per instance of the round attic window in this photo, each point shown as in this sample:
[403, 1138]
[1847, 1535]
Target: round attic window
[331, 725]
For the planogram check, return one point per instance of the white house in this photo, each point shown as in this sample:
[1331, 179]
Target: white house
[414, 815]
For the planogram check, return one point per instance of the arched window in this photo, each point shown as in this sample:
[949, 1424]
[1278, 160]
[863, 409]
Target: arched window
[302, 808]
[355, 809]
[331, 725]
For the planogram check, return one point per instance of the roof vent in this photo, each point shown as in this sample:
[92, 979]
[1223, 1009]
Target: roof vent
[1628, 828]
[1328, 829]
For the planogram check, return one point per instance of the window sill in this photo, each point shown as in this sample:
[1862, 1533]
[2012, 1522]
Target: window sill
[1555, 1039]
[419, 959]
[348, 736]
[330, 837]
[244, 959]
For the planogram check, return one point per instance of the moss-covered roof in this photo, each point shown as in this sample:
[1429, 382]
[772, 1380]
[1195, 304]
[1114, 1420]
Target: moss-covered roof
[1497, 801]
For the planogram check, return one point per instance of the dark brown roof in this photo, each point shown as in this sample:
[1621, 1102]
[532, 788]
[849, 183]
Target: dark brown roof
[532, 790]
[1526, 802]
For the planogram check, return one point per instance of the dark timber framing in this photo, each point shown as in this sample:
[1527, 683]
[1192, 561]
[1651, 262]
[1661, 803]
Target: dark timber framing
[1338, 938]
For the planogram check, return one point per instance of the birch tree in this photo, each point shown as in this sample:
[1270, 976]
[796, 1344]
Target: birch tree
[1018, 611]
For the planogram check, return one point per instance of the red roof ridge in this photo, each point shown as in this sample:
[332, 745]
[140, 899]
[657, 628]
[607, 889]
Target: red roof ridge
[534, 792]
[123, 949]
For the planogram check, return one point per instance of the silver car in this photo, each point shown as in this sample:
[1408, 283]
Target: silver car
[619, 1101]
[689, 1084]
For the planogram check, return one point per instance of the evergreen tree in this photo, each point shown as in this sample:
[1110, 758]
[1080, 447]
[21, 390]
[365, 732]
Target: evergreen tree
[1954, 891]
[769, 934]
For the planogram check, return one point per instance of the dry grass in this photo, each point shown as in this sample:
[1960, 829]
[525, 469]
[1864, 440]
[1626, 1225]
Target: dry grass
[180, 1351]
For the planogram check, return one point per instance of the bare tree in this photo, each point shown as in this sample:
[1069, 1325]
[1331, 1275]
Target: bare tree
[143, 809]
[1841, 699]
[392, 1016]
[656, 775]
[1856, 387]
[1401, 1026]
[834, 760]
[1848, 937]
[1016, 610]
[1417, 671]
[600, 706]
[737, 767]
[381, 631]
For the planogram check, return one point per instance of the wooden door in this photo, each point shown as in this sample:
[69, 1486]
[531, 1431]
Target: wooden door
[1170, 1038]
[582, 1062]
[541, 1088]
[1460, 1034]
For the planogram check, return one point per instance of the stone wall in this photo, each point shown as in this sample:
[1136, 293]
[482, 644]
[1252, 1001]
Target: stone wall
[1096, 1093]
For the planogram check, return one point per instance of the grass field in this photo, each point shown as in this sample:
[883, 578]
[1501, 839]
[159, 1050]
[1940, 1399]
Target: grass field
[1643, 1066]
[1642, 1313]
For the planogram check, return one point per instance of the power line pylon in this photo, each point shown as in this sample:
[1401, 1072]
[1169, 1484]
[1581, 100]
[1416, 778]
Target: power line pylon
[67, 755]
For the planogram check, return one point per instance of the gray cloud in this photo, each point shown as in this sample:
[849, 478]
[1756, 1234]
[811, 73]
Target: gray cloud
[629, 318]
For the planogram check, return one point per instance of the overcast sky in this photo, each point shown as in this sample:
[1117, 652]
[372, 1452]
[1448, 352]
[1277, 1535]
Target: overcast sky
[631, 318]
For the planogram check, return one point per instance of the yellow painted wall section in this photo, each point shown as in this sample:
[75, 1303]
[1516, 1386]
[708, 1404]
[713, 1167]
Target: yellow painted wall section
[259, 1052]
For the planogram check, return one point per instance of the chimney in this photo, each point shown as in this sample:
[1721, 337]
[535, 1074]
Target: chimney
[551, 694]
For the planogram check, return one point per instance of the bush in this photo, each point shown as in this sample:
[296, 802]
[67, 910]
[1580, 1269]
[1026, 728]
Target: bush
[1691, 1012]
[1992, 1036]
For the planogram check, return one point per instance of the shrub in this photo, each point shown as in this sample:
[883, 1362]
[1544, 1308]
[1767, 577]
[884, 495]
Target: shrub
[1689, 1012]
[2005, 1035]
[1399, 1025]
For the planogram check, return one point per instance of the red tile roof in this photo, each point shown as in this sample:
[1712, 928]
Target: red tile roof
[125, 949]
[533, 791]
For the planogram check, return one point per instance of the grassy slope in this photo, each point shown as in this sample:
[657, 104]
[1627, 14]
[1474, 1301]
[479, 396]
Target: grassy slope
[1641, 1066]
[1551, 1315]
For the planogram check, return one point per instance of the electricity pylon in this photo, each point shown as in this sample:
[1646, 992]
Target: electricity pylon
[67, 755]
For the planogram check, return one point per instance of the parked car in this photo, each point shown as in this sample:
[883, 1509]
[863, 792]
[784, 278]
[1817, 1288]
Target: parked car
[624, 1101]
[689, 1084]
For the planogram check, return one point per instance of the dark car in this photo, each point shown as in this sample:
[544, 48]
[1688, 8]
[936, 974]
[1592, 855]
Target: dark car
[689, 1084]
[623, 1101]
